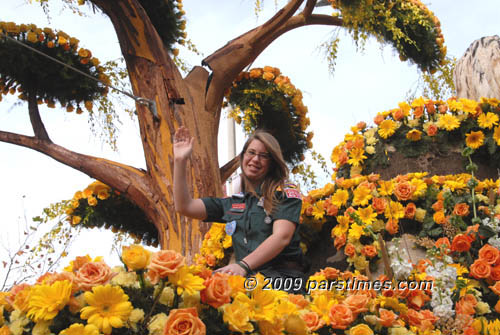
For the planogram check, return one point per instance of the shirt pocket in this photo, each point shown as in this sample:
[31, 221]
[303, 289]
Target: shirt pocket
[260, 229]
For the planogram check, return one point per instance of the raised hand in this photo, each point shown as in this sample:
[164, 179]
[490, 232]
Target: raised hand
[183, 144]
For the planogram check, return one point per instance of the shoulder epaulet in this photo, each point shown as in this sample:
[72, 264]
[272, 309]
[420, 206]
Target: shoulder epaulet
[292, 191]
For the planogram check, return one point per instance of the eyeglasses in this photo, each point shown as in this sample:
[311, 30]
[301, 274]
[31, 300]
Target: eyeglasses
[265, 156]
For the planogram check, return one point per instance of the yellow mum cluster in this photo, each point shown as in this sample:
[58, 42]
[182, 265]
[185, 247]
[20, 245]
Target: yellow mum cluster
[214, 244]
[423, 119]
[46, 37]
[93, 192]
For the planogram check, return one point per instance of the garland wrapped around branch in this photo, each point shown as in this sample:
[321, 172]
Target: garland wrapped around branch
[264, 98]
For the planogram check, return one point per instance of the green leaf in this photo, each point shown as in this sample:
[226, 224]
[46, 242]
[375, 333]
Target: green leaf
[486, 231]
[435, 232]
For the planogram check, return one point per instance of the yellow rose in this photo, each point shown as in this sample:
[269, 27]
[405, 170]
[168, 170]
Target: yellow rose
[92, 201]
[399, 331]
[482, 308]
[157, 324]
[361, 329]
[370, 149]
[420, 214]
[295, 325]
[136, 257]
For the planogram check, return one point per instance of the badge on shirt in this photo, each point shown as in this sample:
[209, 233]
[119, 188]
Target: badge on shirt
[238, 208]
[230, 227]
[293, 193]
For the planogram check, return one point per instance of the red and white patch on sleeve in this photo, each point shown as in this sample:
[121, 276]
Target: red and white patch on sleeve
[293, 193]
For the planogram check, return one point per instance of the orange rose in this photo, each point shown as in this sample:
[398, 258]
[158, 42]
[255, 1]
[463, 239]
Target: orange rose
[432, 130]
[387, 317]
[379, 205]
[356, 303]
[439, 217]
[443, 243]
[442, 108]
[332, 210]
[497, 307]
[369, 251]
[429, 316]
[495, 273]
[92, 274]
[461, 209]
[164, 263]
[489, 254]
[398, 114]
[340, 316]
[299, 300]
[184, 321]
[339, 242]
[313, 321]
[418, 112]
[480, 269]
[80, 261]
[416, 299]
[350, 250]
[461, 243]
[496, 288]
[392, 226]
[438, 205]
[414, 317]
[217, 291]
[361, 329]
[404, 191]
[5, 330]
[431, 108]
[330, 273]
[378, 119]
[410, 211]
[466, 305]
[424, 263]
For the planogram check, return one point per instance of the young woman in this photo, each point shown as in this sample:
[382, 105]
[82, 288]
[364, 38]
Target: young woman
[262, 220]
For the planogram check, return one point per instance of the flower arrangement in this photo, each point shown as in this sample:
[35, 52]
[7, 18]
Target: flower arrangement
[157, 293]
[264, 98]
[406, 24]
[98, 205]
[28, 73]
[420, 127]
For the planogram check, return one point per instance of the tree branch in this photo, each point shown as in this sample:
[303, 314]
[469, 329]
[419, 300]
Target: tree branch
[116, 175]
[227, 170]
[309, 7]
[36, 121]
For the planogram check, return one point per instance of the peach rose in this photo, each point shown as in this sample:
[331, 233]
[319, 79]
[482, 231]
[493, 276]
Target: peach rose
[443, 243]
[313, 321]
[461, 243]
[350, 250]
[404, 191]
[387, 318]
[164, 263]
[461, 209]
[466, 305]
[361, 329]
[339, 241]
[184, 321]
[361, 125]
[357, 303]
[378, 119]
[423, 320]
[489, 254]
[136, 257]
[392, 226]
[410, 211]
[379, 205]
[92, 274]
[299, 300]
[431, 108]
[416, 299]
[442, 108]
[80, 261]
[480, 269]
[438, 205]
[217, 291]
[398, 114]
[340, 316]
[432, 130]
[369, 251]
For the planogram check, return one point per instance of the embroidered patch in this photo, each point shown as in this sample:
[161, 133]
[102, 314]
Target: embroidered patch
[230, 228]
[292, 193]
[237, 208]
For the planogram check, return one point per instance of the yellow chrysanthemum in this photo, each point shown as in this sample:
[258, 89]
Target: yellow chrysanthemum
[487, 120]
[474, 139]
[419, 102]
[420, 187]
[321, 305]
[108, 308]
[395, 210]
[237, 316]
[318, 210]
[356, 157]
[80, 329]
[448, 122]
[339, 198]
[469, 106]
[261, 305]
[342, 226]
[362, 195]
[47, 300]
[356, 231]
[387, 128]
[454, 105]
[386, 188]
[414, 135]
[185, 280]
[367, 215]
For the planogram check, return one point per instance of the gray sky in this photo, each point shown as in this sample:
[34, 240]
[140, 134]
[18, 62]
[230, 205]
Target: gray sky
[364, 83]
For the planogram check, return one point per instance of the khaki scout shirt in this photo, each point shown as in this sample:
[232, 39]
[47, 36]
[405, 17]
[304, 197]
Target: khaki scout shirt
[251, 230]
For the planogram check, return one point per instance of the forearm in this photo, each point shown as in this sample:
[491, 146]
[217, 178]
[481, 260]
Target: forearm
[184, 203]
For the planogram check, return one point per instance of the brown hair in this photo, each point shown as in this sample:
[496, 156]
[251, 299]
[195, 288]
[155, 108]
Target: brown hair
[277, 173]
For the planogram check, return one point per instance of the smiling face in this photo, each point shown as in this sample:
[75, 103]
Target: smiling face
[256, 162]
